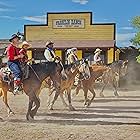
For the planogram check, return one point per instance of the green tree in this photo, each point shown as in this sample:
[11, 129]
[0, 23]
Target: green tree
[136, 24]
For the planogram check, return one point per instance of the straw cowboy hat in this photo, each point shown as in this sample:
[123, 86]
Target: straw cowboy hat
[14, 36]
[25, 43]
[48, 43]
[71, 50]
[98, 50]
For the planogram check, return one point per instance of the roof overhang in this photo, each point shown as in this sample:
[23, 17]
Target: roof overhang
[82, 44]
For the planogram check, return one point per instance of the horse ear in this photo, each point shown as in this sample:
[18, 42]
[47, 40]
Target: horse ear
[125, 62]
[86, 60]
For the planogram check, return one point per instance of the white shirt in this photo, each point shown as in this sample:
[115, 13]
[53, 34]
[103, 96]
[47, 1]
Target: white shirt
[48, 55]
[97, 57]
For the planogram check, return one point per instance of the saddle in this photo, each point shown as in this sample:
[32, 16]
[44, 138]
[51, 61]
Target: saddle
[8, 77]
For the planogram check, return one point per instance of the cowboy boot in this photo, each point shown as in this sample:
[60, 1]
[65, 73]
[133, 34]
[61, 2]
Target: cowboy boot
[17, 86]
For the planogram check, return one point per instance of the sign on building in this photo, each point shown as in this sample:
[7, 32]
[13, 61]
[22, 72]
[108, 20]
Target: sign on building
[68, 23]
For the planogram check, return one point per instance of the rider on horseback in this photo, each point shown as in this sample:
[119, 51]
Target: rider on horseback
[72, 58]
[97, 57]
[50, 56]
[25, 45]
[24, 66]
[14, 61]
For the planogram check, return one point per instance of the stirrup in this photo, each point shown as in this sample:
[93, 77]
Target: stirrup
[17, 90]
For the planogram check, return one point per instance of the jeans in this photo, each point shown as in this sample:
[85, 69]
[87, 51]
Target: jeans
[15, 68]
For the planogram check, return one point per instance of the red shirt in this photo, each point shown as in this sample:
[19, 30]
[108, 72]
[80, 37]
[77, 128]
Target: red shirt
[24, 52]
[12, 51]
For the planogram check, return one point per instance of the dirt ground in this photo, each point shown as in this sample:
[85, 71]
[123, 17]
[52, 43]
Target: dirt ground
[108, 118]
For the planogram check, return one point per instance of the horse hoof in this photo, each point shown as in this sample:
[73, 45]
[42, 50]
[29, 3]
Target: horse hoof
[1, 120]
[101, 95]
[10, 113]
[30, 118]
[116, 94]
[50, 108]
[86, 105]
[72, 108]
[27, 117]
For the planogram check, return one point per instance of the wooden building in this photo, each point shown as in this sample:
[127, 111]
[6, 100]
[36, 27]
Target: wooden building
[72, 29]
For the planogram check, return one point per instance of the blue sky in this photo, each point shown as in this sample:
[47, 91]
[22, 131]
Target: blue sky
[15, 13]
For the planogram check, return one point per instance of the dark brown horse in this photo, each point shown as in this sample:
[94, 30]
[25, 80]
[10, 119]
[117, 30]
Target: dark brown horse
[31, 86]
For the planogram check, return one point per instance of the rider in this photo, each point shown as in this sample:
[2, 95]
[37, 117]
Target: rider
[24, 47]
[52, 59]
[72, 58]
[14, 61]
[97, 57]
[25, 68]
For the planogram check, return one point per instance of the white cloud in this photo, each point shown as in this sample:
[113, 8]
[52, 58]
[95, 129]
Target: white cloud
[39, 19]
[125, 44]
[80, 1]
[8, 17]
[123, 37]
[123, 40]
[4, 7]
[126, 28]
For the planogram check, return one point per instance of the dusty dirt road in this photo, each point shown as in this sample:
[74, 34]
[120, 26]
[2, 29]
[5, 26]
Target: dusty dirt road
[108, 118]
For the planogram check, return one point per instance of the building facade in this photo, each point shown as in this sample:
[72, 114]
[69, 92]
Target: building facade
[72, 29]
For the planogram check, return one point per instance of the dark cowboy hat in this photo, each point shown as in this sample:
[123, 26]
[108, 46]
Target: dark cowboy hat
[48, 43]
[14, 36]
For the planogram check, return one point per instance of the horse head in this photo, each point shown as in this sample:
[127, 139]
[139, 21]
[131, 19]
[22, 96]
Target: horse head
[84, 69]
[123, 68]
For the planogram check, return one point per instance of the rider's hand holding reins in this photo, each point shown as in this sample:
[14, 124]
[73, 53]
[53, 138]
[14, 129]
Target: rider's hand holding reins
[18, 56]
[57, 58]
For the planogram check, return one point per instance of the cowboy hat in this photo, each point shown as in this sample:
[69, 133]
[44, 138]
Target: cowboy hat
[98, 50]
[14, 36]
[25, 43]
[71, 50]
[48, 43]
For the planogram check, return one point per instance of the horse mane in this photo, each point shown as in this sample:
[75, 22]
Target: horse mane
[116, 64]
[96, 68]
[68, 67]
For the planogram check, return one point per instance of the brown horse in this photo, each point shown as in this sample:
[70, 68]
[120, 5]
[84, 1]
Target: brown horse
[31, 86]
[66, 85]
[88, 85]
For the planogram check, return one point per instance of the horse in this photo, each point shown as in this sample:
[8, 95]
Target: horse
[72, 70]
[37, 74]
[88, 84]
[117, 70]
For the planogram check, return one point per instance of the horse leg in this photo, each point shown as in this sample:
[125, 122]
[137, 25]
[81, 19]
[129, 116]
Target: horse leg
[77, 89]
[85, 89]
[56, 83]
[29, 108]
[35, 108]
[4, 93]
[63, 101]
[51, 90]
[93, 93]
[102, 89]
[114, 83]
[53, 101]
[69, 100]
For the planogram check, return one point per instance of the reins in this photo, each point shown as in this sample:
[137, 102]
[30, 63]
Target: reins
[35, 73]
